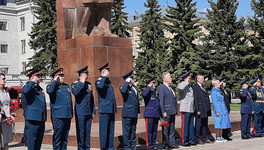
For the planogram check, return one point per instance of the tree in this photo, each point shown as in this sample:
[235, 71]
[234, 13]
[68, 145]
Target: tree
[255, 59]
[182, 24]
[43, 37]
[224, 45]
[119, 25]
[153, 57]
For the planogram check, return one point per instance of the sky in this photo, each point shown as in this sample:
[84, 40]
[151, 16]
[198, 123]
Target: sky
[243, 10]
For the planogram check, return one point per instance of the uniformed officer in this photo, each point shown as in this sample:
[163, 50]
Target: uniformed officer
[151, 113]
[106, 108]
[130, 112]
[84, 108]
[187, 110]
[246, 110]
[258, 100]
[226, 134]
[61, 109]
[36, 113]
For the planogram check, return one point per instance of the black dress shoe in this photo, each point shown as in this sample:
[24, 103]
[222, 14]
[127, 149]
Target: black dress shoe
[186, 145]
[228, 139]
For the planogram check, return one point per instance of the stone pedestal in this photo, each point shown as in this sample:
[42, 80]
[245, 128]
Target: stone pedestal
[75, 52]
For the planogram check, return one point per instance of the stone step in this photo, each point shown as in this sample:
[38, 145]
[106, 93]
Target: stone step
[141, 131]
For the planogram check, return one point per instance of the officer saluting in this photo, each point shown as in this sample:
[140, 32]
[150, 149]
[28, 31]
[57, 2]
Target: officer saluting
[246, 110]
[151, 113]
[258, 101]
[106, 108]
[61, 109]
[84, 108]
[36, 113]
[130, 112]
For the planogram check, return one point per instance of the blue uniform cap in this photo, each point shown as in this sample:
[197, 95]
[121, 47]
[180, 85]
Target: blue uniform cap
[150, 80]
[57, 72]
[129, 74]
[34, 71]
[254, 80]
[243, 82]
[183, 76]
[223, 79]
[83, 70]
[105, 66]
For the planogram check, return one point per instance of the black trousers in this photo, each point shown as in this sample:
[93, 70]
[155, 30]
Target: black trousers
[168, 132]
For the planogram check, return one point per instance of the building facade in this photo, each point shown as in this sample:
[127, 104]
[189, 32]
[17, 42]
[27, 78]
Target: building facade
[16, 20]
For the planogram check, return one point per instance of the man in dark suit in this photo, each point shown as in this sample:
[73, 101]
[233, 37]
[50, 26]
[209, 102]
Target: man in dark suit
[61, 109]
[106, 108]
[168, 106]
[226, 134]
[36, 111]
[202, 109]
[84, 108]
[130, 112]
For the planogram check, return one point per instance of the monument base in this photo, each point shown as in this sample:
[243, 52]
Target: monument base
[95, 51]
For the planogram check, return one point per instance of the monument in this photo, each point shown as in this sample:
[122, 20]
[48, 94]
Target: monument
[84, 38]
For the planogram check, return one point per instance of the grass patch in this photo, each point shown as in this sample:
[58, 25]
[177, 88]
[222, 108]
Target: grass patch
[234, 107]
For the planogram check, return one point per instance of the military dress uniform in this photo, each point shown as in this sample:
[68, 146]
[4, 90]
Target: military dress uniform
[258, 101]
[130, 112]
[84, 110]
[61, 111]
[151, 115]
[245, 111]
[36, 113]
[106, 110]
[187, 111]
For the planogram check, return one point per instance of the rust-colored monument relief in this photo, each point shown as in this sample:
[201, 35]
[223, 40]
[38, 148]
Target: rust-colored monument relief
[84, 38]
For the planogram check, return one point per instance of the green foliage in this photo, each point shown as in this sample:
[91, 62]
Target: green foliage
[225, 48]
[119, 25]
[182, 24]
[255, 57]
[43, 37]
[153, 57]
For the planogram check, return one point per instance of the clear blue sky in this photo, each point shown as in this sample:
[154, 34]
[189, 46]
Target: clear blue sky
[244, 8]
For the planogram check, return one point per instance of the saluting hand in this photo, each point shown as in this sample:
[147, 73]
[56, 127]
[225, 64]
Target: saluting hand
[56, 78]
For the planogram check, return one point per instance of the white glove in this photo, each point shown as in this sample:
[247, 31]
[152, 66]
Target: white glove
[128, 79]
[138, 115]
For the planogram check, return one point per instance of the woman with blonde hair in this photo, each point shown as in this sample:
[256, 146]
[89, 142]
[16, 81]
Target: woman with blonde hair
[220, 113]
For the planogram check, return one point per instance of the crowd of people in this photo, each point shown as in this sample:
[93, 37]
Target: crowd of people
[160, 104]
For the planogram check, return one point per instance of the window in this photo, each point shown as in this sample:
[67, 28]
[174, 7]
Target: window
[2, 2]
[4, 70]
[22, 19]
[24, 64]
[4, 48]
[3, 25]
[23, 46]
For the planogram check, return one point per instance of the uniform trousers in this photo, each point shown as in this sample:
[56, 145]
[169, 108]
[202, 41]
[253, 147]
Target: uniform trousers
[106, 130]
[245, 125]
[129, 125]
[201, 128]
[188, 128]
[151, 131]
[35, 134]
[168, 132]
[257, 123]
[83, 129]
[61, 127]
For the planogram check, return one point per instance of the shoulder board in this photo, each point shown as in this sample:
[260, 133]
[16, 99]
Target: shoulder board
[75, 81]
[99, 78]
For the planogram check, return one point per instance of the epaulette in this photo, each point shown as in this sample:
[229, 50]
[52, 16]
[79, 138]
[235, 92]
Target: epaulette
[75, 81]
[99, 78]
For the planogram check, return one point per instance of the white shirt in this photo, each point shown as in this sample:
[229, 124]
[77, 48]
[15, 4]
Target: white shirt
[170, 89]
